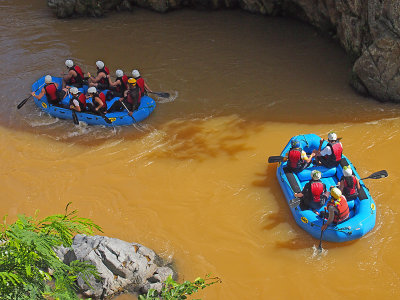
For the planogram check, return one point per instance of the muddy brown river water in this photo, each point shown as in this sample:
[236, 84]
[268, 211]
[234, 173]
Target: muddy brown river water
[192, 181]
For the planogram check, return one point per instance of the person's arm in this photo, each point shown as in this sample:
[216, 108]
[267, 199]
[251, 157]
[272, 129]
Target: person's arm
[358, 184]
[331, 210]
[75, 105]
[99, 77]
[306, 158]
[146, 87]
[71, 73]
[304, 191]
[99, 102]
[341, 185]
[115, 83]
[42, 92]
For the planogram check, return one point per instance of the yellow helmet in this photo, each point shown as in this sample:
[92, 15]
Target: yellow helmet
[132, 81]
[336, 193]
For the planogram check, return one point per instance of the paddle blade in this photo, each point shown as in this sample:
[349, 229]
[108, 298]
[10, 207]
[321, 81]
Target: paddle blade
[161, 94]
[294, 202]
[378, 175]
[75, 118]
[275, 159]
[23, 102]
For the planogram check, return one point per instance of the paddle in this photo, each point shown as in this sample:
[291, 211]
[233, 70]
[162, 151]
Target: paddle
[294, 202]
[160, 94]
[377, 175]
[75, 117]
[320, 238]
[123, 104]
[26, 99]
[275, 159]
[104, 117]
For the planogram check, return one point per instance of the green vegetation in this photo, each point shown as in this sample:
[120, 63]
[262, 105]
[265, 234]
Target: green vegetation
[29, 267]
[178, 291]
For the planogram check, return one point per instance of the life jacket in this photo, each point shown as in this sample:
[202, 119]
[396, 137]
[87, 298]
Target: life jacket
[123, 86]
[337, 150]
[350, 186]
[140, 84]
[102, 98]
[79, 75]
[342, 207]
[294, 158]
[82, 100]
[317, 188]
[104, 80]
[131, 98]
[51, 92]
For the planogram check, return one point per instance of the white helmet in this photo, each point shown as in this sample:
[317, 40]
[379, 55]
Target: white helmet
[119, 73]
[316, 175]
[100, 64]
[48, 79]
[332, 136]
[74, 90]
[69, 63]
[92, 90]
[347, 171]
[135, 74]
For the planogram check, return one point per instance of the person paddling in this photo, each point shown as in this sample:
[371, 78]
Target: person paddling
[101, 79]
[331, 155]
[78, 100]
[297, 158]
[98, 104]
[50, 89]
[131, 99]
[74, 77]
[337, 207]
[314, 193]
[119, 86]
[349, 184]
[144, 88]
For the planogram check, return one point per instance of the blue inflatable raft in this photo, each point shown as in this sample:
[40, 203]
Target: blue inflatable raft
[146, 107]
[362, 210]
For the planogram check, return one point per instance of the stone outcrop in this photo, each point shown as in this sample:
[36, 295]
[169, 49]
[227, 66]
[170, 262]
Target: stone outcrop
[369, 30]
[122, 266]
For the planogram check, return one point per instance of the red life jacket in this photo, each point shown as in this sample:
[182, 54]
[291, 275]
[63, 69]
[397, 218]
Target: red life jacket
[51, 92]
[124, 84]
[317, 188]
[79, 75]
[337, 150]
[82, 100]
[140, 83]
[104, 80]
[103, 99]
[350, 186]
[294, 158]
[342, 207]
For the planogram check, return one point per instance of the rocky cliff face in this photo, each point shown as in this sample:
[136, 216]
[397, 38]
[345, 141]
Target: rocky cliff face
[369, 30]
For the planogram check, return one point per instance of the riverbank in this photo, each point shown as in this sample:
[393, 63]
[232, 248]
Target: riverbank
[369, 31]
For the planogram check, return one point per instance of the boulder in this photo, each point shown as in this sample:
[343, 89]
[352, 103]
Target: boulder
[122, 266]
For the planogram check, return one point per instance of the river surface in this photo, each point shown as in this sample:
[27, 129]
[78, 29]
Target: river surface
[192, 181]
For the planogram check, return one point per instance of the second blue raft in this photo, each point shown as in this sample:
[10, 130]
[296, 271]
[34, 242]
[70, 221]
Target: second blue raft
[362, 210]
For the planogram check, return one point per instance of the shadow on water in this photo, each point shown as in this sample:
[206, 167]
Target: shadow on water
[199, 139]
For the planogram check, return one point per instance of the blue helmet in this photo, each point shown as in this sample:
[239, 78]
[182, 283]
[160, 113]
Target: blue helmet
[295, 144]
